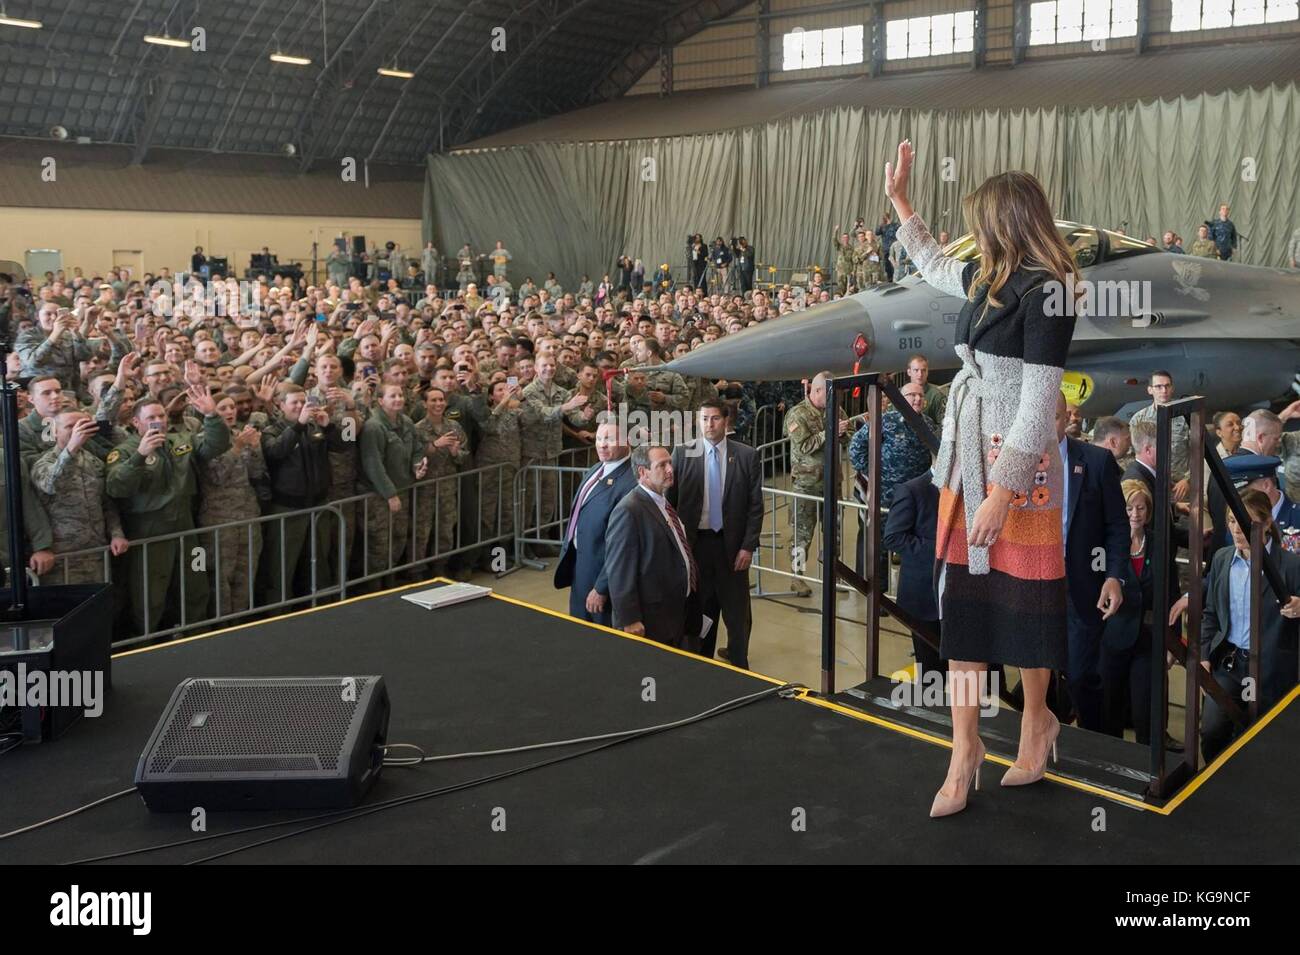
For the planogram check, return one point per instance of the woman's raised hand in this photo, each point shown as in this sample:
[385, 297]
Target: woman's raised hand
[897, 173]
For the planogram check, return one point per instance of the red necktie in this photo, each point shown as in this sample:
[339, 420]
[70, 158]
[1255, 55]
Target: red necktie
[686, 547]
[582, 499]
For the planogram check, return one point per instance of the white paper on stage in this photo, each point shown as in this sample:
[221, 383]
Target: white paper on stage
[446, 596]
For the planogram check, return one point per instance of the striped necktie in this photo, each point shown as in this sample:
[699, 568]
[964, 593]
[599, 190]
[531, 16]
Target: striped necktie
[693, 571]
[582, 499]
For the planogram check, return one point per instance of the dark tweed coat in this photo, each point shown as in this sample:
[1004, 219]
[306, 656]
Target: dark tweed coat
[1005, 603]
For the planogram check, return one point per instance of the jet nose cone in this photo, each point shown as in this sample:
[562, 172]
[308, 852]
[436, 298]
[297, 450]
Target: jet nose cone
[797, 345]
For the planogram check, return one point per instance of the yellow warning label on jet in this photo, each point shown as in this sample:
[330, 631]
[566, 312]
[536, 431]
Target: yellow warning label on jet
[1077, 387]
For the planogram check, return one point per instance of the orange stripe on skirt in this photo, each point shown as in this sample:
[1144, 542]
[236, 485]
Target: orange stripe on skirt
[1028, 547]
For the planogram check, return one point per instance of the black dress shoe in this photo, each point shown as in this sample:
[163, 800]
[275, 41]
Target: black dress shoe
[1172, 744]
[723, 654]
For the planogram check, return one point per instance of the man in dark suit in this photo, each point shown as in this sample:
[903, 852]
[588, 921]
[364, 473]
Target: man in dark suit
[1226, 640]
[718, 492]
[652, 575]
[909, 532]
[581, 566]
[1143, 468]
[1096, 534]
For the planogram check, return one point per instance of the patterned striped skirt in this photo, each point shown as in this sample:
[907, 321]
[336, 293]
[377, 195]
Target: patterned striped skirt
[1016, 613]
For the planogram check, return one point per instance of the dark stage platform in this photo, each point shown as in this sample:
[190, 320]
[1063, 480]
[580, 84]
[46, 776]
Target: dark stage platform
[496, 673]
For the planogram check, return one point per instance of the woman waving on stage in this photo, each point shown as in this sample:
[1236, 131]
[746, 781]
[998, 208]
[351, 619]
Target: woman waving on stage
[1000, 568]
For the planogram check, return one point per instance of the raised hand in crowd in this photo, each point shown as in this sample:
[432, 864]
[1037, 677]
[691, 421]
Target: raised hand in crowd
[200, 396]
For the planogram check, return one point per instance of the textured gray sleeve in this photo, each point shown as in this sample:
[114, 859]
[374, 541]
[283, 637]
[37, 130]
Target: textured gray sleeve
[1032, 432]
[937, 269]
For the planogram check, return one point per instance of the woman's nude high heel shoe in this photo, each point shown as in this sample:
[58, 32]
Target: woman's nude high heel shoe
[947, 805]
[1023, 777]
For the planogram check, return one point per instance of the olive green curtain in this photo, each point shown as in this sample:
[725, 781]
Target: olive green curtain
[1144, 167]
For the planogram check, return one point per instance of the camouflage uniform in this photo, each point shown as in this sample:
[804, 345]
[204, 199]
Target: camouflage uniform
[500, 445]
[35, 522]
[843, 267]
[676, 398]
[156, 495]
[500, 260]
[1205, 248]
[903, 455]
[389, 453]
[698, 391]
[437, 501]
[1288, 450]
[343, 484]
[865, 271]
[226, 483]
[542, 440]
[36, 434]
[1179, 443]
[62, 359]
[565, 376]
[70, 486]
[465, 277]
[470, 412]
[744, 423]
[936, 403]
[1224, 234]
[806, 427]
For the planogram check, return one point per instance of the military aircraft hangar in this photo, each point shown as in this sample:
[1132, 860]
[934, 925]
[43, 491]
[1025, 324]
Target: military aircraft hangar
[656, 431]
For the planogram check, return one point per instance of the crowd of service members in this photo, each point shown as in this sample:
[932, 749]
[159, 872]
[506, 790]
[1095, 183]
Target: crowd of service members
[161, 406]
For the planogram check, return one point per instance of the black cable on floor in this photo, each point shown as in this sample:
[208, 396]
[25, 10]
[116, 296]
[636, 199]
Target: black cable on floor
[344, 815]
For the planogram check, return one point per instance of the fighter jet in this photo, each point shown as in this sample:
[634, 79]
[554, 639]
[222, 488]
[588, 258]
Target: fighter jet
[1227, 331]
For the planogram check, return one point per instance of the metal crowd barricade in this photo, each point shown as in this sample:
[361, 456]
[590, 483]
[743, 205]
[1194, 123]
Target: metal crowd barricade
[1263, 564]
[870, 386]
[768, 439]
[203, 537]
[412, 494]
[341, 578]
[776, 500]
[531, 496]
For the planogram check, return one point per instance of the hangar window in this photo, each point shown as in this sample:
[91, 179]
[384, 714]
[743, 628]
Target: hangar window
[808, 49]
[935, 35]
[1075, 21]
[1214, 14]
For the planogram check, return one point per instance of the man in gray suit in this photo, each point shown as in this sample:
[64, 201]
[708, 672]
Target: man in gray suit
[651, 573]
[718, 492]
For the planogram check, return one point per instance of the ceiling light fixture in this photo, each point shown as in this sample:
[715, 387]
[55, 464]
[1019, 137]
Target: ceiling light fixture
[165, 40]
[278, 57]
[8, 21]
[393, 71]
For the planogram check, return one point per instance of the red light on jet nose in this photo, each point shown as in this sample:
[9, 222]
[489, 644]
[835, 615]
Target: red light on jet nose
[860, 346]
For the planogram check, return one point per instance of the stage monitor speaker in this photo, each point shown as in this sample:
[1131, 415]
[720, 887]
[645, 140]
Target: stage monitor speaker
[358, 245]
[276, 743]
